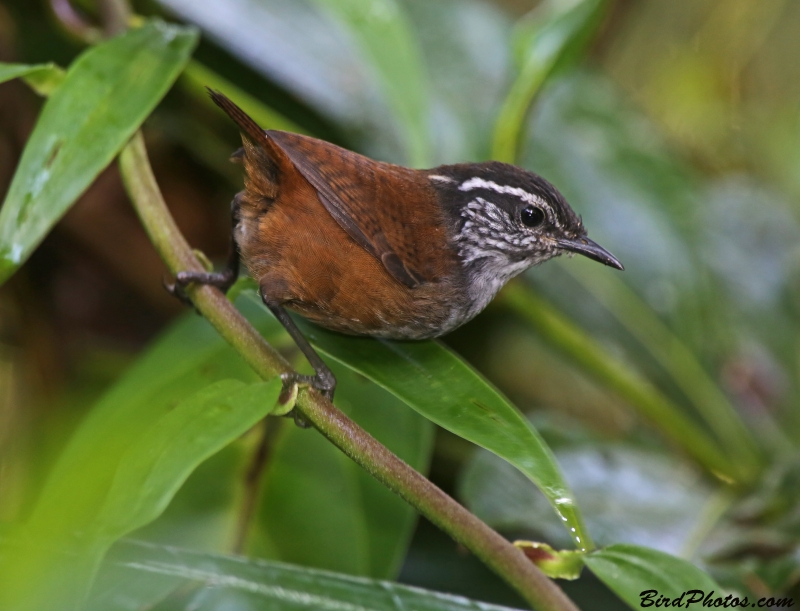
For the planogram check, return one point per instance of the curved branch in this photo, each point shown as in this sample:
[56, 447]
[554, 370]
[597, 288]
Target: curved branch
[494, 550]
[114, 17]
[74, 22]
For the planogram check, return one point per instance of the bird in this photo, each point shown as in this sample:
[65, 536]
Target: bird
[370, 248]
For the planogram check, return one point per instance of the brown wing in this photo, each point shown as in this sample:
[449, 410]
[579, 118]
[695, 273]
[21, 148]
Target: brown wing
[389, 210]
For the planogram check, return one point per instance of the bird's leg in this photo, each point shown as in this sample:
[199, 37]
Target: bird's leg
[223, 279]
[323, 380]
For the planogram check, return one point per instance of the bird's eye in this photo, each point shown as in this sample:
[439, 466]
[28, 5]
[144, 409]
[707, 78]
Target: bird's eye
[531, 216]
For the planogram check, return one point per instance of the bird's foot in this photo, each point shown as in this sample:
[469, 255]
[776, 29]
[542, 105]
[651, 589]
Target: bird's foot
[324, 383]
[222, 280]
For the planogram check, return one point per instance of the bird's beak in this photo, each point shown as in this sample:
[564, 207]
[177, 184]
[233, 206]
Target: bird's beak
[593, 250]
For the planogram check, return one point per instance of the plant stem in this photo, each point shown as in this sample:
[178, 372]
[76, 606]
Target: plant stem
[495, 551]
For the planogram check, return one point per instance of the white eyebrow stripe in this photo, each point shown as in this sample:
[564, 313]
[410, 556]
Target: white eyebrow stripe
[439, 178]
[480, 183]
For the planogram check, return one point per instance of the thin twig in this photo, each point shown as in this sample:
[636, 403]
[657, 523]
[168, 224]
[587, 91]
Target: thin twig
[114, 17]
[75, 23]
[495, 551]
[268, 431]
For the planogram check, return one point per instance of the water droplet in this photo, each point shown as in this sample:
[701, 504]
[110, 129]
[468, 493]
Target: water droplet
[39, 182]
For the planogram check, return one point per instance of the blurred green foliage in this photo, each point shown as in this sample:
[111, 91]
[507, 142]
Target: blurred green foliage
[668, 395]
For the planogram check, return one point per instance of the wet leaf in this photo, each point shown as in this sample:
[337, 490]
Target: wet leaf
[443, 388]
[629, 494]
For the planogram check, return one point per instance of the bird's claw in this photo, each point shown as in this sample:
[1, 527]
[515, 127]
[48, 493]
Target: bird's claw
[177, 290]
[322, 384]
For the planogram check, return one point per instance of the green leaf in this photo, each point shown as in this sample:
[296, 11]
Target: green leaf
[108, 480]
[543, 40]
[136, 575]
[68, 512]
[467, 61]
[310, 512]
[633, 572]
[408, 435]
[106, 95]
[42, 78]
[188, 357]
[157, 465]
[443, 388]
[151, 470]
[203, 514]
[385, 35]
[360, 527]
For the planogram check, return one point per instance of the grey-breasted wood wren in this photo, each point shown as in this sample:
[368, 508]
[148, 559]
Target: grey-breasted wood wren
[371, 248]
